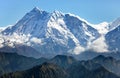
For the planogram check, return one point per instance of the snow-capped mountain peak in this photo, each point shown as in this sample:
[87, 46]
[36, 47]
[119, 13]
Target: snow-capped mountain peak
[54, 32]
[36, 9]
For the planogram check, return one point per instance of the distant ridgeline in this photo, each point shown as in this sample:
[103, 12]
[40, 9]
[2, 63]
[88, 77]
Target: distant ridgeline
[60, 66]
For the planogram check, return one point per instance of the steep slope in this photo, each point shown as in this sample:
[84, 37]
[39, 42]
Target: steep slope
[55, 33]
[81, 29]
[10, 62]
[113, 39]
[29, 23]
[114, 24]
[46, 70]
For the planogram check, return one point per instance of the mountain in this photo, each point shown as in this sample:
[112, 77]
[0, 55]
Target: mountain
[114, 24]
[113, 39]
[109, 63]
[63, 60]
[46, 70]
[79, 71]
[39, 33]
[21, 50]
[98, 73]
[50, 33]
[98, 67]
[102, 28]
[11, 62]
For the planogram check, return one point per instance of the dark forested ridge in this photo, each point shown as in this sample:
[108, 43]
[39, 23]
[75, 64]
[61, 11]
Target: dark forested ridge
[61, 66]
[46, 70]
[10, 62]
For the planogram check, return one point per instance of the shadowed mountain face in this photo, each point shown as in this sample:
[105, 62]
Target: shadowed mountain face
[113, 39]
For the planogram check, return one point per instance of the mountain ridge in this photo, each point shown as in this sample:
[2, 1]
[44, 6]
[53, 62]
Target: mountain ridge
[93, 68]
[56, 33]
[39, 29]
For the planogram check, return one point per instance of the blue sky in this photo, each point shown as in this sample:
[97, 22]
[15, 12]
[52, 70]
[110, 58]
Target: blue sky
[94, 11]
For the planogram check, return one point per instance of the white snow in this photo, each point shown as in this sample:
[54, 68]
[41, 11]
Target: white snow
[32, 30]
[102, 28]
[79, 18]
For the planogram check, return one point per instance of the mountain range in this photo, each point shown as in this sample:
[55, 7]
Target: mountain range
[98, 67]
[40, 33]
